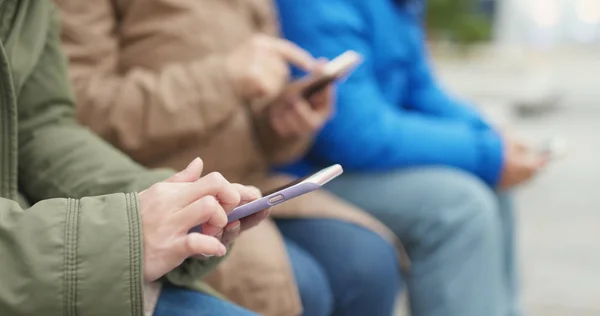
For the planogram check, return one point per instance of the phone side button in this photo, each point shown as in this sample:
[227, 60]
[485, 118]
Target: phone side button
[276, 199]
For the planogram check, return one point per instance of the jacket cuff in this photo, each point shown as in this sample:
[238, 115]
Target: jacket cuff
[106, 263]
[193, 270]
[491, 160]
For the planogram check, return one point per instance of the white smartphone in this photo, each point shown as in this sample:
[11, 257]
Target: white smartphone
[334, 70]
[287, 192]
[553, 148]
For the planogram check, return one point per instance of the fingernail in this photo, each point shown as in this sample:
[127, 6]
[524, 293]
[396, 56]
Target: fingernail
[193, 161]
[222, 250]
[234, 227]
[207, 256]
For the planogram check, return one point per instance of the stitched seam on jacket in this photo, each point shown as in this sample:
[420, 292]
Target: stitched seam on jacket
[70, 274]
[65, 258]
[8, 129]
[137, 307]
[4, 134]
[77, 217]
[8, 13]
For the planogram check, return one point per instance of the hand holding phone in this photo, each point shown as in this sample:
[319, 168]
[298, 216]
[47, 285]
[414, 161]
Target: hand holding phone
[259, 66]
[334, 70]
[521, 162]
[306, 104]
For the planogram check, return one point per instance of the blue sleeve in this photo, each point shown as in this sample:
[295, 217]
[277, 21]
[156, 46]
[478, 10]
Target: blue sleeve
[425, 93]
[366, 132]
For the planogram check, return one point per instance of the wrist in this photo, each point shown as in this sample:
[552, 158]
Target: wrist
[492, 157]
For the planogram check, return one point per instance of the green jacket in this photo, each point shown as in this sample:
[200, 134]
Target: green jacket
[63, 256]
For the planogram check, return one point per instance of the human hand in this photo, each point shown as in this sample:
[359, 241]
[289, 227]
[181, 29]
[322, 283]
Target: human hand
[247, 194]
[169, 210]
[259, 68]
[235, 228]
[520, 163]
[293, 116]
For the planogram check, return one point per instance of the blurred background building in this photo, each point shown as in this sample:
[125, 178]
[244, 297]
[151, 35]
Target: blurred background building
[549, 23]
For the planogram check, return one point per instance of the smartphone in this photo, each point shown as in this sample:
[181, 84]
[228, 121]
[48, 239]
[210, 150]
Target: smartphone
[553, 148]
[334, 70]
[287, 192]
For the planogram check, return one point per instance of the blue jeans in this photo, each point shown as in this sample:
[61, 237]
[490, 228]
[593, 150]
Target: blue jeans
[176, 301]
[341, 268]
[458, 233]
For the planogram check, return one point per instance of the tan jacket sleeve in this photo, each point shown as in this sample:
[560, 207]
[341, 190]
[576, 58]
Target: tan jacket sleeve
[139, 110]
[279, 150]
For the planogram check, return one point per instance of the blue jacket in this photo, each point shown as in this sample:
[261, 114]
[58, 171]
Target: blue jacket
[390, 112]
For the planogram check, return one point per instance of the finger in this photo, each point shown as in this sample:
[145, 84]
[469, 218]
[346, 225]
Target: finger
[518, 144]
[309, 119]
[206, 212]
[321, 96]
[305, 119]
[291, 121]
[277, 125]
[231, 232]
[320, 66]
[321, 62]
[537, 162]
[294, 55]
[216, 185]
[283, 123]
[247, 193]
[191, 173]
[195, 244]
[283, 127]
[278, 68]
[323, 101]
[254, 219]
[275, 75]
[255, 191]
[266, 75]
[521, 147]
[255, 85]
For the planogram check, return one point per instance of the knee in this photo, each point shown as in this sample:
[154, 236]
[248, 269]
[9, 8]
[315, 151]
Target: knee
[312, 282]
[315, 293]
[462, 189]
[463, 205]
[372, 269]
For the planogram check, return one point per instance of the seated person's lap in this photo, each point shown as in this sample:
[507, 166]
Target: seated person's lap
[341, 267]
[458, 232]
[412, 201]
[176, 301]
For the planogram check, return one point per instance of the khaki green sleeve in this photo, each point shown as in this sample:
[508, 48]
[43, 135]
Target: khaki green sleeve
[71, 257]
[57, 156]
[60, 158]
